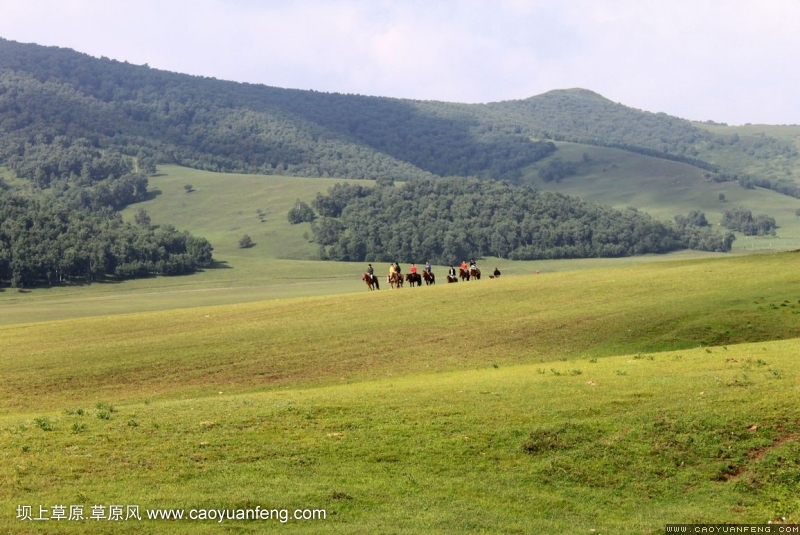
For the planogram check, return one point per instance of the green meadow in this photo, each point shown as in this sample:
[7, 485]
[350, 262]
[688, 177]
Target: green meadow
[613, 399]
[581, 396]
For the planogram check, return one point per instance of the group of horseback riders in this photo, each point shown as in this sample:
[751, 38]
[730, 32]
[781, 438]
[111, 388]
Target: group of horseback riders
[395, 276]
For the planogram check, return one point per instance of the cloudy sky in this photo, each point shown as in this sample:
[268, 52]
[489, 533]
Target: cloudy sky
[728, 60]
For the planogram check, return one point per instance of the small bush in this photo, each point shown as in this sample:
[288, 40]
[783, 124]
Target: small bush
[301, 213]
[245, 242]
[104, 406]
[564, 437]
[43, 423]
[78, 428]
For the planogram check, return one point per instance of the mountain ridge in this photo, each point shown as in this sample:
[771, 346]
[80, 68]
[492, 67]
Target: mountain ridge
[223, 125]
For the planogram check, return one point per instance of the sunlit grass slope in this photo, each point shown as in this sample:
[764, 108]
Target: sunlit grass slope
[613, 400]
[664, 189]
[323, 340]
[224, 206]
[621, 445]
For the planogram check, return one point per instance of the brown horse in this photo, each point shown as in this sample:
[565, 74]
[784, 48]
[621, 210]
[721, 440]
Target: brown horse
[371, 284]
[430, 278]
[463, 273]
[475, 273]
[396, 280]
[413, 278]
[450, 279]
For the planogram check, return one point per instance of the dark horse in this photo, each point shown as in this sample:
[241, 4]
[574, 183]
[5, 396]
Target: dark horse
[430, 278]
[396, 280]
[371, 281]
[463, 273]
[414, 278]
[450, 279]
[475, 273]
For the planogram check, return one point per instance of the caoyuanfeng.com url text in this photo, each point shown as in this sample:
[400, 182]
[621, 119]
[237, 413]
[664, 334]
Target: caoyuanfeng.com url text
[133, 513]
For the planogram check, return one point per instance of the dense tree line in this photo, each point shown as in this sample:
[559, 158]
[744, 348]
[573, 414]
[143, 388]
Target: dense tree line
[44, 241]
[448, 220]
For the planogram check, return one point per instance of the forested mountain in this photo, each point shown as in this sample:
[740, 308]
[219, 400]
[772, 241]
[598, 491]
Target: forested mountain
[52, 97]
[56, 97]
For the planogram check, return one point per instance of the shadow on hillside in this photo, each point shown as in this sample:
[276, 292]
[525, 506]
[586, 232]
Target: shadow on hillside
[441, 138]
[152, 194]
[220, 264]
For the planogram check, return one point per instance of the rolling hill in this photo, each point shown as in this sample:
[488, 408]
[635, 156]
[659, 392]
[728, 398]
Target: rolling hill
[615, 400]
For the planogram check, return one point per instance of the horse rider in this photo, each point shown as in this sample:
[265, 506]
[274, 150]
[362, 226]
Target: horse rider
[451, 272]
[391, 272]
[413, 269]
[473, 267]
[371, 272]
[397, 269]
[464, 266]
[496, 273]
[428, 267]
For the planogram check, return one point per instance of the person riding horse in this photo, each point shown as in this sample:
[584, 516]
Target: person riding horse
[451, 275]
[473, 269]
[371, 272]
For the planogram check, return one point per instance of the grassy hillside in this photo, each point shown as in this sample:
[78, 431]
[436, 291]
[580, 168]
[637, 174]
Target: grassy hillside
[289, 343]
[665, 188]
[224, 206]
[566, 402]
[779, 168]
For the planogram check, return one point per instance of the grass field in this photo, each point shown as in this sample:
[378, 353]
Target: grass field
[596, 396]
[614, 400]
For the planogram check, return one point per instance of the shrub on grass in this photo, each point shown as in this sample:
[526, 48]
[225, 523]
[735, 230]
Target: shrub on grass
[563, 437]
[43, 423]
